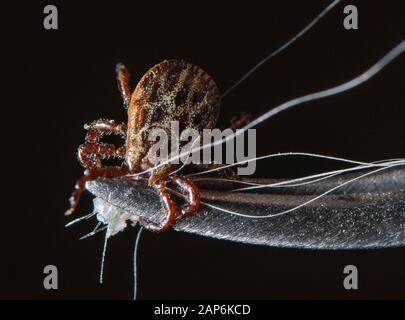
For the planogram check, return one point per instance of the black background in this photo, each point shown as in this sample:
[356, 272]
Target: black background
[61, 79]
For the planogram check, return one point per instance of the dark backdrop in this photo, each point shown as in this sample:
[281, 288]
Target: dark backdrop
[61, 79]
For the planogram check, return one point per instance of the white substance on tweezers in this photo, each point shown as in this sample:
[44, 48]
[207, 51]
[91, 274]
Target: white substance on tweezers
[114, 217]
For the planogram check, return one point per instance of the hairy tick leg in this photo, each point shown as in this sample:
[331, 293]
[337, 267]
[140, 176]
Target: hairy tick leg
[92, 174]
[97, 129]
[123, 83]
[239, 121]
[188, 188]
[159, 184]
[90, 154]
[226, 173]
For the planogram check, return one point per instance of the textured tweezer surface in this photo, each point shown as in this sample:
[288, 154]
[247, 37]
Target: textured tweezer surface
[369, 213]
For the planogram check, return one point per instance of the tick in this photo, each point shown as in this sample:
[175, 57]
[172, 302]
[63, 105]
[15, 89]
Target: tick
[173, 90]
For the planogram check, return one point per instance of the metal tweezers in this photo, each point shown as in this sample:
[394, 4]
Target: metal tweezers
[367, 213]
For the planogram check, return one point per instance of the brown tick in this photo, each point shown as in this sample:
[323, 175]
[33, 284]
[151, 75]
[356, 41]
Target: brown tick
[173, 90]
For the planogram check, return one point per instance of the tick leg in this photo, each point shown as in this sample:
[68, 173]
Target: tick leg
[100, 127]
[240, 120]
[159, 184]
[92, 174]
[226, 173]
[237, 122]
[188, 188]
[123, 83]
[90, 154]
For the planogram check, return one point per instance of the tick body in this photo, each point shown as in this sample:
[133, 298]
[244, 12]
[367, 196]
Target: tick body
[173, 90]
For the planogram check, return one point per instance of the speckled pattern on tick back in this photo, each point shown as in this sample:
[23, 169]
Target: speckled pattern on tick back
[173, 90]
